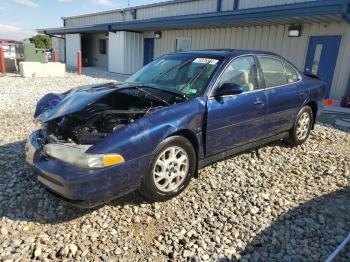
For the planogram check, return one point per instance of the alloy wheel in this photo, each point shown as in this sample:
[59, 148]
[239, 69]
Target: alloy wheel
[303, 126]
[170, 169]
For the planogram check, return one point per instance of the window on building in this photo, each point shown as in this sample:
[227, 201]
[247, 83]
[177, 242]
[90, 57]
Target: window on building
[317, 58]
[103, 46]
[291, 74]
[183, 44]
[241, 71]
[273, 70]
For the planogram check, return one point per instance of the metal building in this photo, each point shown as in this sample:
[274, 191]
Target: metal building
[312, 34]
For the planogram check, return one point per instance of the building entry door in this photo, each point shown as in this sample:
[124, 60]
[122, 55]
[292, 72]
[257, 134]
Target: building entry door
[322, 57]
[148, 50]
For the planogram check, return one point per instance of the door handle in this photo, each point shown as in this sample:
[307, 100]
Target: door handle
[259, 103]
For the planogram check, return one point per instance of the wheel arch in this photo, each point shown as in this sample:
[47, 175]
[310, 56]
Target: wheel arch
[190, 136]
[314, 107]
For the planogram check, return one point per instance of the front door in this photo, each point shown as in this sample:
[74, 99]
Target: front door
[322, 58]
[235, 120]
[148, 50]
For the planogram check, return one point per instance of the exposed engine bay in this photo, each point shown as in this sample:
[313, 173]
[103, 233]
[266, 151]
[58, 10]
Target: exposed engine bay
[101, 118]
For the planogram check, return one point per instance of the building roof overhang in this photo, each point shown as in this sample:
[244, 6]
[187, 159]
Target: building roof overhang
[307, 12]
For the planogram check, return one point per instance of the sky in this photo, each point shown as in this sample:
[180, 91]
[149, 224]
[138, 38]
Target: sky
[20, 18]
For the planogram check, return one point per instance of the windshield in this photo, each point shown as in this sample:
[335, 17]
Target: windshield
[181, 74]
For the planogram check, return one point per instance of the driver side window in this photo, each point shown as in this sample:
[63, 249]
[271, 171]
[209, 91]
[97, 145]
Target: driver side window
[241, 71]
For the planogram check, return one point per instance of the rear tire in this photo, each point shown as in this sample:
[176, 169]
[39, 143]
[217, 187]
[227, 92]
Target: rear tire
[170, 170]
[302, 127]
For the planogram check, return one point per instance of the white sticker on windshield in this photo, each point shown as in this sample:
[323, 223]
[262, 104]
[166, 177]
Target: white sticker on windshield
[206, 61]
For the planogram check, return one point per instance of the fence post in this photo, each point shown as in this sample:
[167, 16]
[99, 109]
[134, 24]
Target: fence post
[55, 56]
[2, 62]
[80, 71]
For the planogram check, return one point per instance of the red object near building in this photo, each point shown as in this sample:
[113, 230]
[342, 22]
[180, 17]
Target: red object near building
[80, 69]
[2, 62]
[55, 56]
[8, 41]
[329, 102]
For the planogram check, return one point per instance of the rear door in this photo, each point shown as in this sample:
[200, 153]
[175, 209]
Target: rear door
[234, 120]
[285, 93]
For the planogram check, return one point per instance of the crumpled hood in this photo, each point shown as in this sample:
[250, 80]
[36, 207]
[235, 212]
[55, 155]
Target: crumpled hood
[52, 105]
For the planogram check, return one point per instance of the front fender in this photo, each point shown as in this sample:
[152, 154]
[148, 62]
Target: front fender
[141, 137]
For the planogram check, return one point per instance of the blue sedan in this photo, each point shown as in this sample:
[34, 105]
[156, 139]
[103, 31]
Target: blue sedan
[176, 115]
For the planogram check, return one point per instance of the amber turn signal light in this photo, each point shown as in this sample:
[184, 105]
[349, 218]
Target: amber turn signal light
[110, 160]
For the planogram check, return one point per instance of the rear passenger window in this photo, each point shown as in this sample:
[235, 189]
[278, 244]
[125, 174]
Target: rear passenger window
[291, 74]
[273, 70]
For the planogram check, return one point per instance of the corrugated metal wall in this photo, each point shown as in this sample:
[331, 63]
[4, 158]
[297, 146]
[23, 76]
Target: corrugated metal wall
[171, 9]
[181, 8]
[125, 52]
[270, 38]
[73, 45]
[59, 45]
[151, 11]
[227, 5]
[133, 52]
[99, 18]
[116, 49]
[243, 4]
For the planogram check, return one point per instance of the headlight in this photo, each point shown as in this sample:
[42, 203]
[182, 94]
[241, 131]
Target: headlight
[76, 156]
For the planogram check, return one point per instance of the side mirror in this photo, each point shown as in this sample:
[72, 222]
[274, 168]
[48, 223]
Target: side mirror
[229, 89]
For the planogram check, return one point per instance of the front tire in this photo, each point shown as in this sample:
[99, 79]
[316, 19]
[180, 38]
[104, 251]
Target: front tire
[171, 169]
[302, 127]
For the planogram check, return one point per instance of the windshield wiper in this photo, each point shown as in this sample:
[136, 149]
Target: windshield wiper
[148, 93]
[178, 94]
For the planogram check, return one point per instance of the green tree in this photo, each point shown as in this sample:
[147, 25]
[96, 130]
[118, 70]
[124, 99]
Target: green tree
[41, 41]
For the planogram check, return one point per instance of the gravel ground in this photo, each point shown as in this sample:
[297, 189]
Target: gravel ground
[272, 204]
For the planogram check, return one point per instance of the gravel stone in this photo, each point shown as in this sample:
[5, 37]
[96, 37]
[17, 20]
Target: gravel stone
[73, 249]
[272, 204]
[37, 252]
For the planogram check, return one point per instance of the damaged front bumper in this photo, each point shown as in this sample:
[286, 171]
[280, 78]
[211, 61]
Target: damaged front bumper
[80, 186]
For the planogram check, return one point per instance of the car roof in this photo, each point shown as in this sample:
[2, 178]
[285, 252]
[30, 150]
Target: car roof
[227, 53]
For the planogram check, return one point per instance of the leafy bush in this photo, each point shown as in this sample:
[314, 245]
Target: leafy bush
[41, 41]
